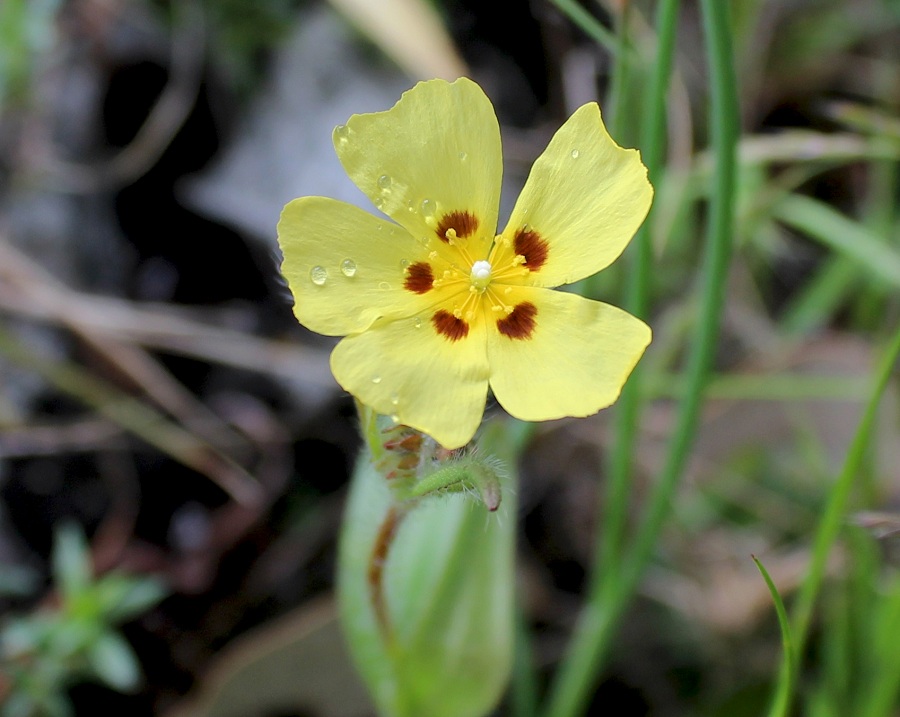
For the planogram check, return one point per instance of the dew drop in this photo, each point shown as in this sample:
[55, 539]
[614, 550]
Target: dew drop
[411, 205]
[428, 207]
[318, 275]
[348, 267]
[403, 264]
[384, 181]
[575, 154]
[342, 132]
[379, 203]
[395, 418]
[376, 379]
[463, 156]
[384, 286]
[417, 322]
[395, 399]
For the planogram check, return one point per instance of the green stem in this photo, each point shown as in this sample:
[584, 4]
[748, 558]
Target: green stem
[621, 74]
[653, 131]
[588, 24]
[607, 600]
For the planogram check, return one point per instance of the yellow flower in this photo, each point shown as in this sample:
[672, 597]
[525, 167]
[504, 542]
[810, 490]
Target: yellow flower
[436, 307]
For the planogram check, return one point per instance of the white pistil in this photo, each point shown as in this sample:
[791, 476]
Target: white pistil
[480, 275]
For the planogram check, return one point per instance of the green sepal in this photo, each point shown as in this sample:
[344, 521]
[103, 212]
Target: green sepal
[468, 474]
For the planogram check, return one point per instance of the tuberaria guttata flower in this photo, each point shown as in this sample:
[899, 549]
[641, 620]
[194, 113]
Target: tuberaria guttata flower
[435, 307]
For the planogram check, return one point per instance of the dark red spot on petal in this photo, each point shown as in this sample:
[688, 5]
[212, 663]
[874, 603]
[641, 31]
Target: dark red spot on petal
[447, 325]
[465, 224]
[520, 323]
[533, 247]
[419, 277]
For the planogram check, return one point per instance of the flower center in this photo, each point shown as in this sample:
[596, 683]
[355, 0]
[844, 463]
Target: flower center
[481, 275]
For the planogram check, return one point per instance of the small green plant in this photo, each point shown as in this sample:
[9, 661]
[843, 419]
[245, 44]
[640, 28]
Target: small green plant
[72, 637]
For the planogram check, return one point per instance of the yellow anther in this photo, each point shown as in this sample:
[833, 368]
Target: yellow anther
[519, 260]
[433, 255]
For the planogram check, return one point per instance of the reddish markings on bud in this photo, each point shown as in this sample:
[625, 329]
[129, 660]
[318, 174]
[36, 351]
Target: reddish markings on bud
[533, 247]
[375, 573]
[463, 223]
[445, 454]
[419, 278]
[410, 442]
[520, 323]
[448, 326]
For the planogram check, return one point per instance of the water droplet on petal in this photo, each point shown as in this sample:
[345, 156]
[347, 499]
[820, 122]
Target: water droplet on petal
[395, 418]
[348, 267]
[575, 154]
[395, 398]
[376, 378]
[428, 207]
[404, 263]
[411, 205]
[342, 132]
[384, 286]
[417, 322]
[384, 181]
[463, 156]
[379, 203]
[318, 275]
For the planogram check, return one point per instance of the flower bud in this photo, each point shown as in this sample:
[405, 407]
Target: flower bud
[426, 592]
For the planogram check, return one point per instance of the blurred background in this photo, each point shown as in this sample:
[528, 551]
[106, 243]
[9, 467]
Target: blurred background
[165, 420]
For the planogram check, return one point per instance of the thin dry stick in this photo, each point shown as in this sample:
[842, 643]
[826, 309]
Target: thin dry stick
[38, 288]
[155, 326]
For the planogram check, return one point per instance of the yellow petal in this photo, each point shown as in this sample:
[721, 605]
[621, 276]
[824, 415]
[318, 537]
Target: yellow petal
[347, 268]
[563, 356]
[431, 162]
[584, 199]
[408, 370]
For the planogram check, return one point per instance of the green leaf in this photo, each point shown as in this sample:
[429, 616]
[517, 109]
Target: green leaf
[72, 569]
[112, 660]
[788, 661]
[122, 597]
[841, 234]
